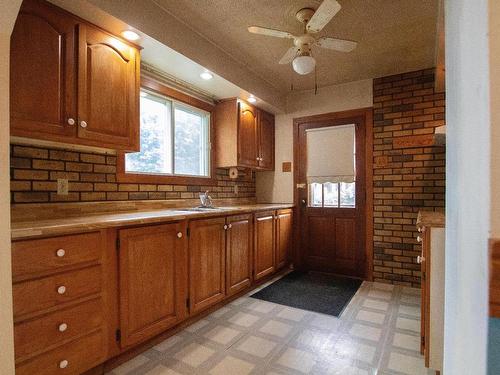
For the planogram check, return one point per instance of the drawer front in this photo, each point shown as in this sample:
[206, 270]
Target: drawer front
[36, 335]
[43, 256]
[35, 295]
[70, 359]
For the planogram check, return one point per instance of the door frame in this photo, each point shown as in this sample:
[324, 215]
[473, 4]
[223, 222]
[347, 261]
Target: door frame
[366, 115]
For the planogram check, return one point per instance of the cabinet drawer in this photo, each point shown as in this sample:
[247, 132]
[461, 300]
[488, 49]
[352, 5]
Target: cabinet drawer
[42, 256]
[71, 359]
[35, 295]
[36, 335]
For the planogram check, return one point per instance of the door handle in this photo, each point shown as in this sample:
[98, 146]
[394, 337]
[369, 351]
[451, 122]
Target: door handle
[303, 201]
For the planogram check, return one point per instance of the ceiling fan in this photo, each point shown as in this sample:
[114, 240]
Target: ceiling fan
[314, 21]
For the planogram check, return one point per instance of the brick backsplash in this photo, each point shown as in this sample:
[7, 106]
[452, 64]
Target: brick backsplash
[406, 178]
[92, 177]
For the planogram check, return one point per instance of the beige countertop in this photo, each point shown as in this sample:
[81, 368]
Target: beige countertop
[88, 222]
[430, 219]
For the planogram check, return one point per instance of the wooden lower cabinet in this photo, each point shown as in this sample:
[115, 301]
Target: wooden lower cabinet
[239, 241]
[207, 245]
[153, 280]
[265, 244]
[284, 237]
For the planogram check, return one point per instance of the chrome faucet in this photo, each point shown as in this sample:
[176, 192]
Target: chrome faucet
[206, 200]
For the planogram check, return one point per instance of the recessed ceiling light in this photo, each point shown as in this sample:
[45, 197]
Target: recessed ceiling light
[206, 75]
[130, 35]
[252, 99]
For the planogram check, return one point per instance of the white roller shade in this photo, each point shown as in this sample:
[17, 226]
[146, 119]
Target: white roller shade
[330, 154]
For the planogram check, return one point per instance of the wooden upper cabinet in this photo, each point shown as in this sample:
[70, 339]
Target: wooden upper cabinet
[42, 72]
[207, 245]
[247, 136]
[244, 136]
[72, 82]
[266, 140]
[108, 88]
[153, 268]
[264, 249]
[239, 241]
[284, 237]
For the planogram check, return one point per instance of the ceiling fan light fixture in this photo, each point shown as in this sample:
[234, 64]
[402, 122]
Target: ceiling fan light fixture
[304, 64]
[252, 99]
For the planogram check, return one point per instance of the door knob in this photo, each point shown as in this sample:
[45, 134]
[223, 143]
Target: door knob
[83, 124]
[303, 201]
[179, 234]
[71, 121]
[420, 259]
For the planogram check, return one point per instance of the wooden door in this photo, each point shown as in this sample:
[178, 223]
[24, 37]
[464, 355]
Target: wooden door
[284, 236]
[239, 242]
[43, 73]
[266, 141]
[108, 90]
[207, 244]
[247, 135]
[153, 280]
[264, 249]
[333, 235]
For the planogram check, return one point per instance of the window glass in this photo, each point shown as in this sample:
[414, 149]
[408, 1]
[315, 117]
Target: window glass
[191, 140]
[174, 139]
[316, 195]
[331, 192]
[347, 194]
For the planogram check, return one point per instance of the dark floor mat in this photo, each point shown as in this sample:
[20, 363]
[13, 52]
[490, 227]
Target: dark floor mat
[311, 291]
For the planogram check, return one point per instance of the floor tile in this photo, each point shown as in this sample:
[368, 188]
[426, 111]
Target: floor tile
[316, 340]
[382, 294]
[411, 299]
[409, 310]
[220, 312]
[161, 370]
[355, 350]
[222, 335]
[408, 324]
[406, 341]
[256, 346]
[365, 332]
[230, 365]
[371, 317]
[197, 325]
[276, 328]
[131, 365]
[194, 354]
[377, 305]
[406, 364]
[262, 307]
[292, 314]
[244, 319]
[168, 343]
[325, 322]
[297, 360]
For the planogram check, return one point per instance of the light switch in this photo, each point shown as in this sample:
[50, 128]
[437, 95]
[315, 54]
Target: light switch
[62, 186]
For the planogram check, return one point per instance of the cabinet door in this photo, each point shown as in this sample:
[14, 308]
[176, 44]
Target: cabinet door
[207, 244]
[153, 280]
[108, 90]
[42, 73]
[238, 253]
[247, 135]
[266, 141]
[284, 233]
[264, 250]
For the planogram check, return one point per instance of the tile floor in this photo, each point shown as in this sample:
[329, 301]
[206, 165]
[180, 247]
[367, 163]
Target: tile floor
[377, 334]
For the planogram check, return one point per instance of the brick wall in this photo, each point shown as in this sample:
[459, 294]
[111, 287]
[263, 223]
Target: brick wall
[409, 174]
[92, 177]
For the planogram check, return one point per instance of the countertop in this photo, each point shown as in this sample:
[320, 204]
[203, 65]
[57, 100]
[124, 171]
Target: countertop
[89, 222]
[430, 219]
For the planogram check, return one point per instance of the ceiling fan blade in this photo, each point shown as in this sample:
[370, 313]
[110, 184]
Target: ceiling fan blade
[289, 55]
[341, 45]
[270, 32]
[323, 15]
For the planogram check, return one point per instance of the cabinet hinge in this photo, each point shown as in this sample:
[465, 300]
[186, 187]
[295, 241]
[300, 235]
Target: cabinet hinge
[187, 302]
[117, 243]
[118, 335]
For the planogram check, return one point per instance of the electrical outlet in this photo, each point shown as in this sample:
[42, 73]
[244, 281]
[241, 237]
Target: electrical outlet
[236, 189]
[62, 186]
